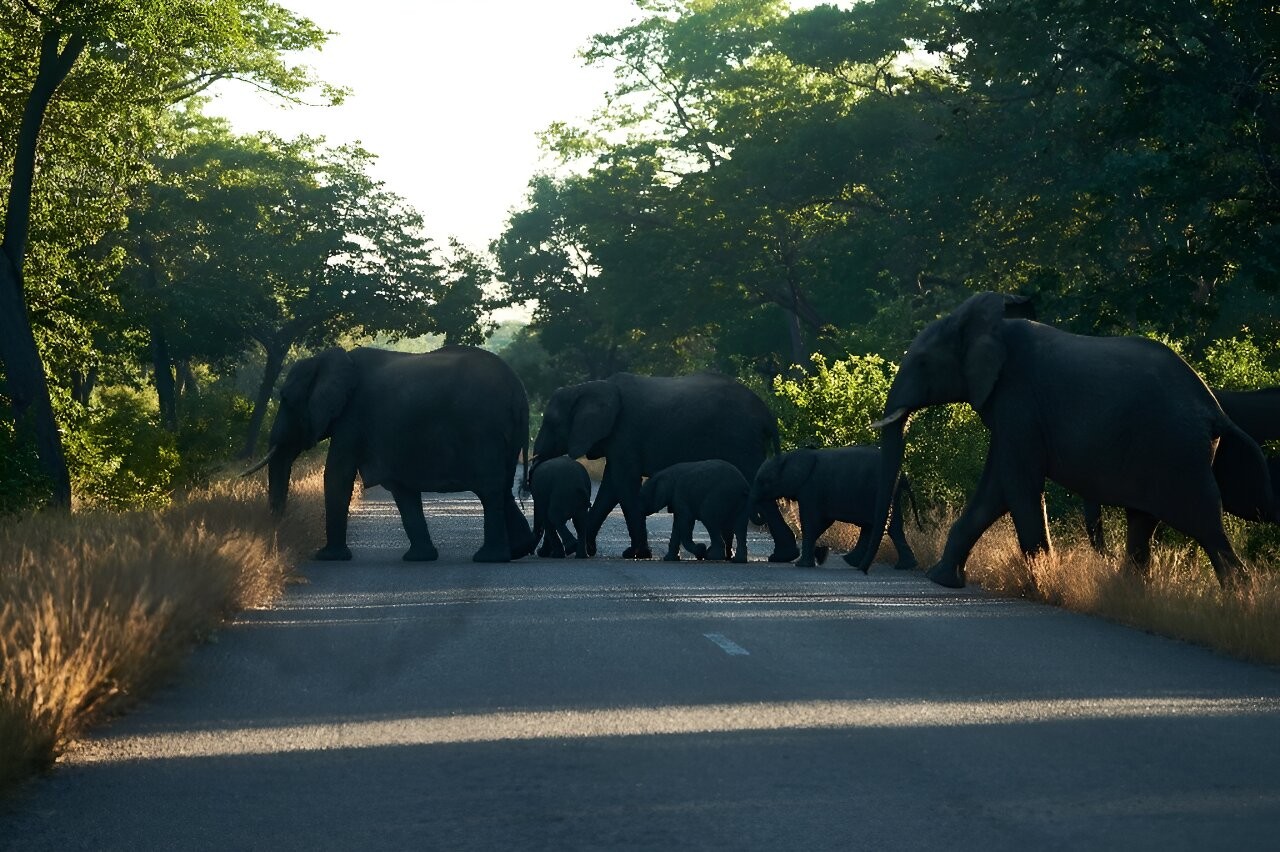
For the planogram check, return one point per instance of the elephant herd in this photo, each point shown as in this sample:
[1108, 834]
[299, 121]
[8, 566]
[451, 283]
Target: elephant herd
[1120, 421]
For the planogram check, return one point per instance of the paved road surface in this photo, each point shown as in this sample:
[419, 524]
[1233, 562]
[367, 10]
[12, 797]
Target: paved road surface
[620, 705]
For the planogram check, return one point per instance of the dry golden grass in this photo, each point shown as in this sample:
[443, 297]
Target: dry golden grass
[96, 608]
[1180, 597]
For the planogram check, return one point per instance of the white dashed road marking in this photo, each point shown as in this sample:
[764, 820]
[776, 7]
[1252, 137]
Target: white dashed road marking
[730, 647]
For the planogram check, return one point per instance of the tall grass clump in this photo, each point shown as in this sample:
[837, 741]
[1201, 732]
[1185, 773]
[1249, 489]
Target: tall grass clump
[96, 608]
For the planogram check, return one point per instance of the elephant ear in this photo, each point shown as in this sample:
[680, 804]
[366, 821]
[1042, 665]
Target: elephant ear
[335, 379]
[594, 412]
[656, 493]
[794, 469]
[984, 352]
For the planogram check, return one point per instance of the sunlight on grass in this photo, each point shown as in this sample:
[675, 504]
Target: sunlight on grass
[1179, 598]
[95, 608]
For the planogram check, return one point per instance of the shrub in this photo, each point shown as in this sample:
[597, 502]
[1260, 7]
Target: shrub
[119, 454]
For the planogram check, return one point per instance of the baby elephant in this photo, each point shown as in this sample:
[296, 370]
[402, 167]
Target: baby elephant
[561, 492]
[835, 484]
[713, 492]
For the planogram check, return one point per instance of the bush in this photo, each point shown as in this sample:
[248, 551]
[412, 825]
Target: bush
[119, 454]
[22, 485]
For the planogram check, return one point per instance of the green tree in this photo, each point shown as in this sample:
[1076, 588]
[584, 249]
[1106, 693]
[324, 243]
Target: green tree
[134, 54]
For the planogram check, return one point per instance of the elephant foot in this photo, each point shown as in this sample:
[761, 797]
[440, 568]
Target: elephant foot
[820, 553]
[329, 553]
[947, 575]
[490, 553]
[805, 563]
[852, 561]
[544, 551]
[740, 557]
[581, 552]
[700, 551]
[524, 549]
[634, 552]
[907, 564]
[785, 554]
[671, 557]
[421, 554]
[591, 548]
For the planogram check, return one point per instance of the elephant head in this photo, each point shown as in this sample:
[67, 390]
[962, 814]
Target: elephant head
[957, 358]
[656, 493]
[577, 419]
[313, 396]
[783, 476]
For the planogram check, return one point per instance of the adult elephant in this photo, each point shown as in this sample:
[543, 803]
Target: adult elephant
[642, 424]
[456, 419]
[1257, 413]
[1118, 420]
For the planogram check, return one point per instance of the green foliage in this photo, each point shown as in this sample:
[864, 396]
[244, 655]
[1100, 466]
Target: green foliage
[119, 454]
[945, 452]
[835, 403]
[22, 486]
[1237, 363]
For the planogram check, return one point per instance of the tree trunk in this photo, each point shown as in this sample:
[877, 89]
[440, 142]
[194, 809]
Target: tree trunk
[162, 364]
[276, 353]
[27, 387]
[799, 353]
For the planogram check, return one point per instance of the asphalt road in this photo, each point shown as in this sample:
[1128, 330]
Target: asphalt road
[607, 704]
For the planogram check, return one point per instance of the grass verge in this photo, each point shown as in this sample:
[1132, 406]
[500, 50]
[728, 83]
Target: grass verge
[1180, 597]
[96, 608]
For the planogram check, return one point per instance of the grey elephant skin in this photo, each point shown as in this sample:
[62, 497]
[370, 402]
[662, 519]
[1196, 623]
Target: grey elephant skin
[642, 424]
[1117, 420]
[561, 491]
[456, 419]
[833, 484]
[1257, 413]
[712, 492]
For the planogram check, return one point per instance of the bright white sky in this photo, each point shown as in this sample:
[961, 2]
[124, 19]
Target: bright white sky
[450, 94]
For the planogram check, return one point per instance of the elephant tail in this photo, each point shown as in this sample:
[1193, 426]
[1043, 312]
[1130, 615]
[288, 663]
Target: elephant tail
[1243, 476]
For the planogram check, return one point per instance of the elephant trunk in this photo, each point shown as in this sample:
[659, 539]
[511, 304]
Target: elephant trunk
[892, 445]
[279, 468]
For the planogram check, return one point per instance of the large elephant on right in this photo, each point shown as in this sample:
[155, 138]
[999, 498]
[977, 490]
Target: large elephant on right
[642, 424]
[1117, 420]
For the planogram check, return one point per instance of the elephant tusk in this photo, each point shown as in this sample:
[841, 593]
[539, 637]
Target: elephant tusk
[260, 465]
[889, 418]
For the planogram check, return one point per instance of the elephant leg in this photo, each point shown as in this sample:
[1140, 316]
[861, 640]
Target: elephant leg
[673, 545]
[983, 509]
[715, 550]
[1202, 520]
[567, 538]
[684, 522]
[740, 532]
[520, 539]
[854, 557]
[629, 497]
[421, 548]
[784, 540]
[906, 556]
[1137, 543]
[580, 526]
[812, 526]
[554, 548]
[339, 479]
[1093, 526]
[606, 499]
[495, 547]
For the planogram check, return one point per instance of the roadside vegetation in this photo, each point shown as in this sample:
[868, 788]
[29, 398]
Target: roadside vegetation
[97, 608]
